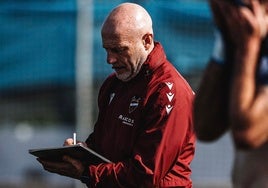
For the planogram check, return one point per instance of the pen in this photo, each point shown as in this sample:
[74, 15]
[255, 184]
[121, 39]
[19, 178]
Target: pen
[74, 138]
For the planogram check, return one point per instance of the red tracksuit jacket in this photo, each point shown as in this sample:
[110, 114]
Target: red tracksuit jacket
[145, 127]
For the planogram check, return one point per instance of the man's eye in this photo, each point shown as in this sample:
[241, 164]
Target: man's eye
[118, 50]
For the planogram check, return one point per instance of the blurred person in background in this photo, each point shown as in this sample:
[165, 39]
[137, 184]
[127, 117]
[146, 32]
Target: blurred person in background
[144, 123]
[233, 94]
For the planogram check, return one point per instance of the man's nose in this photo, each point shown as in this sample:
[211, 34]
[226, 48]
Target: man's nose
[111, 58]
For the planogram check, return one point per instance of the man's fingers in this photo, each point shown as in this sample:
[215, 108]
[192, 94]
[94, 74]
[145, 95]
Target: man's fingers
[261, 17]
[76, 164]
[68, 142]
[65, 168]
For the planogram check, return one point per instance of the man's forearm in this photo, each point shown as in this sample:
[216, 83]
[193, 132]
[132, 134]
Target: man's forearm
[211, 103]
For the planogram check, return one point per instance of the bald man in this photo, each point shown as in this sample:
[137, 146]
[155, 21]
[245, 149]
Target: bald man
[145, 112]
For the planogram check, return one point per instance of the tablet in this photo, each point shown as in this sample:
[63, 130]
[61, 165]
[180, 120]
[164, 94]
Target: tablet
[78, 151]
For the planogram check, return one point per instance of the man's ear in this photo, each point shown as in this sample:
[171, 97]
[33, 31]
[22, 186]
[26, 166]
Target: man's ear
[147, 40]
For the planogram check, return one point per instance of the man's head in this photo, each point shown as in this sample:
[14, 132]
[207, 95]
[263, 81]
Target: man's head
[127, 37]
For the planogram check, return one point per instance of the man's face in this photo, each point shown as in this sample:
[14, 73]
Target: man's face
[125, 53]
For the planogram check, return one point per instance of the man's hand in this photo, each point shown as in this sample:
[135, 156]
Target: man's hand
[70, 141]
[68, 167]
[240, 23]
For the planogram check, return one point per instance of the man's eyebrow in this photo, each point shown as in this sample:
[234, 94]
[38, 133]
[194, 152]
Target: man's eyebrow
[115, 47]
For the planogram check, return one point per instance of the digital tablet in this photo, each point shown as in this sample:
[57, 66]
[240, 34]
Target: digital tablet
[78, 151]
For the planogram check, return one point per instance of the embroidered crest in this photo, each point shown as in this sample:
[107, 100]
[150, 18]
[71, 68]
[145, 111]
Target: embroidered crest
[134, 103]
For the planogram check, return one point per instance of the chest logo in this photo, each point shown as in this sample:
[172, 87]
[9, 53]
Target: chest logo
[126, 120]
[111, 97]
[134, 103]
